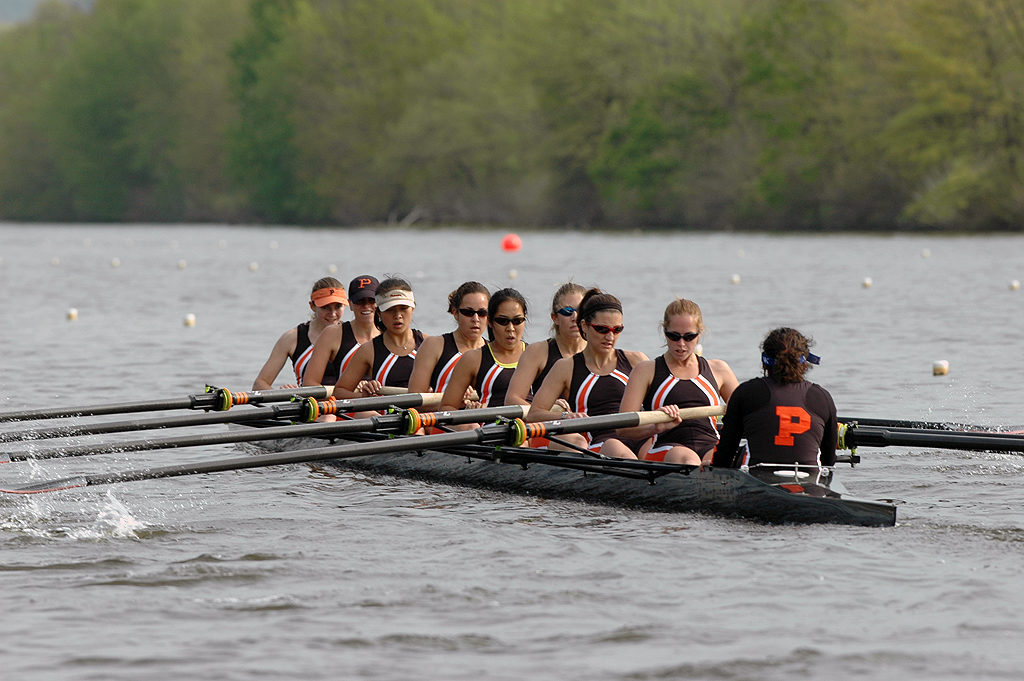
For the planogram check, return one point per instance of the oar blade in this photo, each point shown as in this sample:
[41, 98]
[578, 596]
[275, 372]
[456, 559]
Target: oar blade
[50, 486]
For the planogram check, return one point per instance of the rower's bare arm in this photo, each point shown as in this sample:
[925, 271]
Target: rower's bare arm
[359, 366]
[530, 364]
[725, 378]
[283, 349]
[324, 350]
[423, 366]
[463, 375]
[555, 386]
[633, 400]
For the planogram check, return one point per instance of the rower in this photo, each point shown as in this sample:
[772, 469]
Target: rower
[488, 369]
[336, 346]
[539, 357]
[594, 380]
[388, 359]
[437, 357]
[785, 418]
[327, 302]
[678, 379]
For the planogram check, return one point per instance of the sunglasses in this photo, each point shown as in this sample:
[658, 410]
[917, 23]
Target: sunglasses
[469, 312]
[505, 321]
[676, 336]
[566, 311]
[602, 329]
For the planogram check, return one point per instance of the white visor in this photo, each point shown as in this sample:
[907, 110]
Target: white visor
[395, 297]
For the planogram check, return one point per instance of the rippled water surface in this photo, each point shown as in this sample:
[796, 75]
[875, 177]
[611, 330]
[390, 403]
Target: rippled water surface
[317, 572]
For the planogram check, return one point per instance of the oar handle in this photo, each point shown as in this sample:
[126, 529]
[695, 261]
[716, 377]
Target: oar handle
[648, 418]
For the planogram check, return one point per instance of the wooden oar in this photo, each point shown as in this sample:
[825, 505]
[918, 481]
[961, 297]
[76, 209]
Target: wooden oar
[874, 436]
[307, 409]
[512, 433]
[404, 422]
[219, 399]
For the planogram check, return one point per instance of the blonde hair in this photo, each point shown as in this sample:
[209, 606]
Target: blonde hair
[681, 306]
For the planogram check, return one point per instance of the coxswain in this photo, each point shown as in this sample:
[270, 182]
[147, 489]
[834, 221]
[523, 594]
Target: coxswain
[676, 380]
[593, 380]
[336, 346]
[327, 302]
[785, 418]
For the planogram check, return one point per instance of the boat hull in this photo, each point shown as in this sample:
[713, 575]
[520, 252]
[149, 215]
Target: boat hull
[664, 487]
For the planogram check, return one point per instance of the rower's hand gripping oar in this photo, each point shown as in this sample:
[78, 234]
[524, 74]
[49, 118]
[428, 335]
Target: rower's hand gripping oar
[513, 433]
[212, 399]
[306, 409]
[397, 421]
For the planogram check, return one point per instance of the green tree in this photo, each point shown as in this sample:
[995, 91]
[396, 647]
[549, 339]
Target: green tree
[31, 185]
[957, 137]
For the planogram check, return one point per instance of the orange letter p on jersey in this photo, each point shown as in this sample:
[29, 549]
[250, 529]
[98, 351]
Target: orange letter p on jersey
[792, 421]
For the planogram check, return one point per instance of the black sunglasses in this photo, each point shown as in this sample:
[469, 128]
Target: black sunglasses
[505, 321]
[469, 312]
[676, 336]
[602, 329]
[566, 311]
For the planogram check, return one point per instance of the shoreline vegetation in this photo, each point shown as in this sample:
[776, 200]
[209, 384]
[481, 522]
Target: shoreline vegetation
[723, 115]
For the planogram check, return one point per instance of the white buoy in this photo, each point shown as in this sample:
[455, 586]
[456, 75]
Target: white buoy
[940, 367]
[253, 266]
[182, 264]
[72, 314]
[273, 245]
[332, 269]
[926, 253]
[1014, 285]
[190, 319]
[115, 262]
[735, 279]
[87, 242]
[512, 274]
[222, 244]
[54, 261]
[867, 282]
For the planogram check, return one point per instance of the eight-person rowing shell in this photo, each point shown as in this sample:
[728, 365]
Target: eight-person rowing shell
[678, 379]
[784, 418]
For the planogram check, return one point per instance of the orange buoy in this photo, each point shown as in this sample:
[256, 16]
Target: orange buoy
[511, 242]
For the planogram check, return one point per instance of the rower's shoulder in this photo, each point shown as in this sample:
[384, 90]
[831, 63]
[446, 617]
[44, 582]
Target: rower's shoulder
[432, 345]
[635, 357]
[719, 365]
[535, 351]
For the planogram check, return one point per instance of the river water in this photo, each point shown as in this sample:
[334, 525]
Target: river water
[316, 572]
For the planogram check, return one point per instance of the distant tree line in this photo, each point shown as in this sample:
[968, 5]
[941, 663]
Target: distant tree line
[694, 114]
